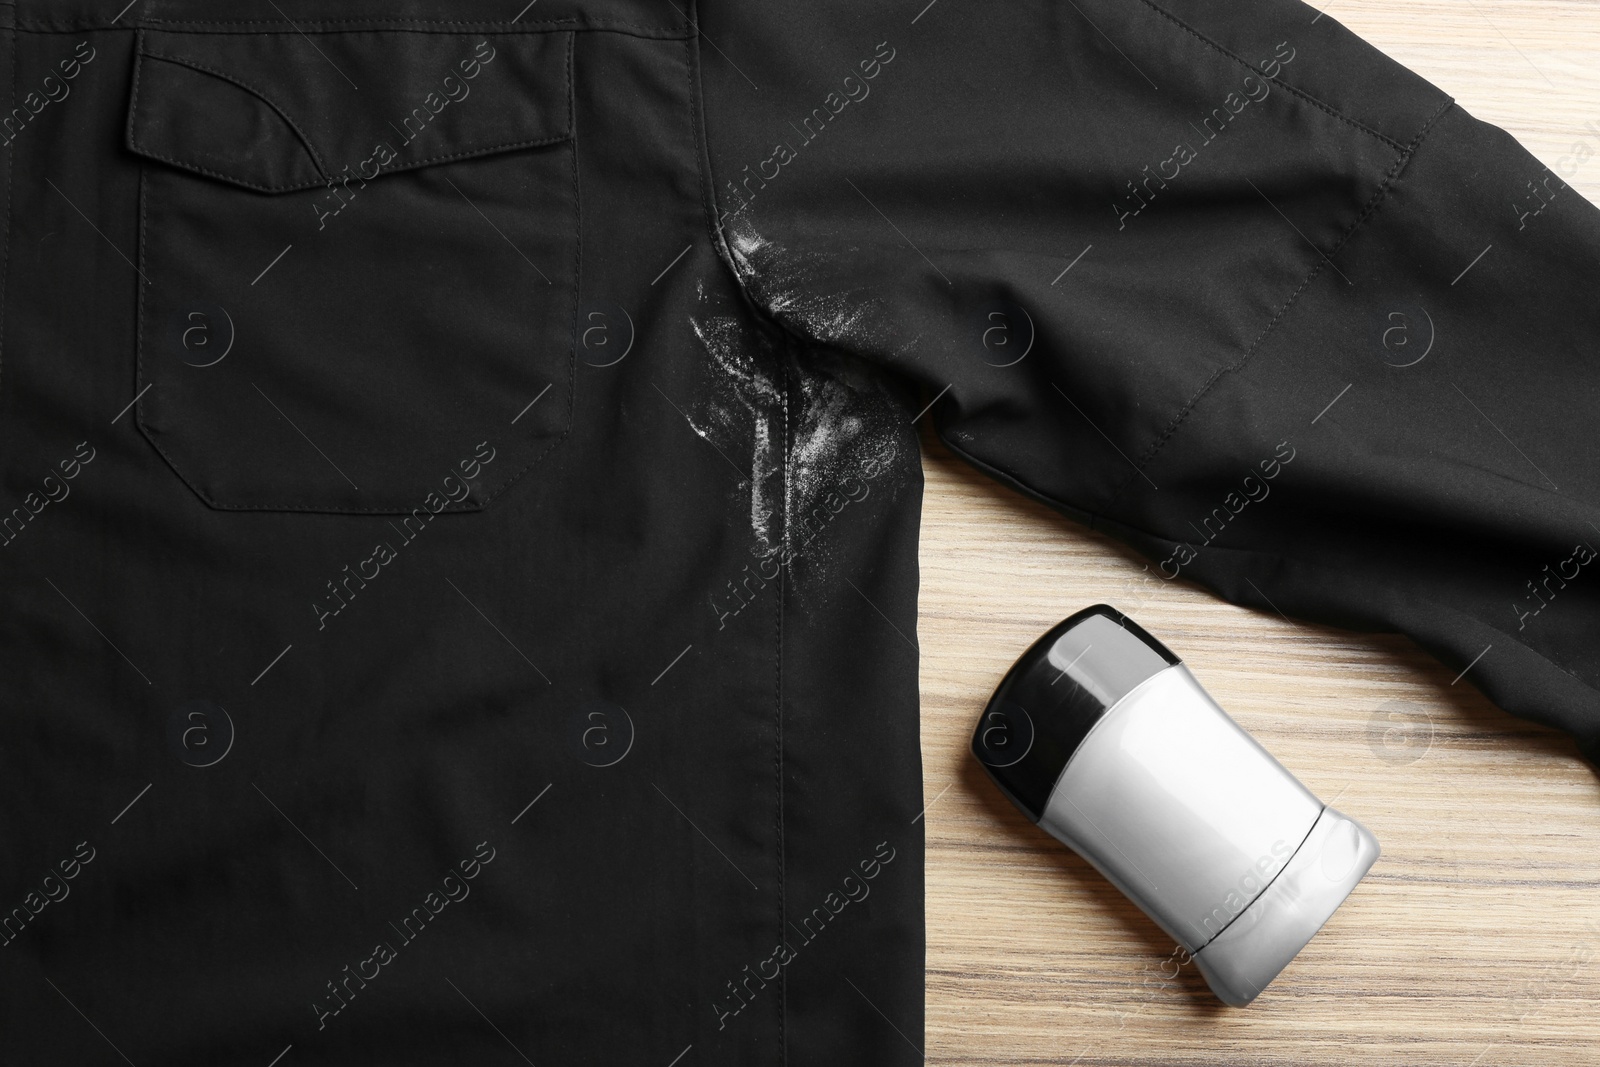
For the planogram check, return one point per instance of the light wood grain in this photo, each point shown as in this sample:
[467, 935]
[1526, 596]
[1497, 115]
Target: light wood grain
[1474, 941]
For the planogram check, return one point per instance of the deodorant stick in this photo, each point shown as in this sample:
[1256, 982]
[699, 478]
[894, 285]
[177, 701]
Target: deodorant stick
[1103, 738]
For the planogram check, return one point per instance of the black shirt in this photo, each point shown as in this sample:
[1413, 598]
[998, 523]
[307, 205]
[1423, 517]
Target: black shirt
[459, 483]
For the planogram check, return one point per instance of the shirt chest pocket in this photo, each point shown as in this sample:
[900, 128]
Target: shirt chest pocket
[358, 259]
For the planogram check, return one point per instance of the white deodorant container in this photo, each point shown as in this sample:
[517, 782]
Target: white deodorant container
[1103, 737]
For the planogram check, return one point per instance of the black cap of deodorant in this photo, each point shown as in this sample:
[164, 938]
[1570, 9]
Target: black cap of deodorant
[1053, 696]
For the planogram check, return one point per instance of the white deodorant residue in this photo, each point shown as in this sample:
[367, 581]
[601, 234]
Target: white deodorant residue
[744, 410]
[795, 288]
[842, 418]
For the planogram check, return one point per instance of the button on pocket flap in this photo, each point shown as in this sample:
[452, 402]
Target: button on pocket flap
[278, 112]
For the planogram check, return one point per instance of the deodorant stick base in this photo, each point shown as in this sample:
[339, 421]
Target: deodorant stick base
[1239, 962]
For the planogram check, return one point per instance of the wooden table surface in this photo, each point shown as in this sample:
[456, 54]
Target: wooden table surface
[1475, 940]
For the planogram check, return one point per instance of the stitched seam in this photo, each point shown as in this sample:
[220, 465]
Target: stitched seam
[316, 160]
[138, 349]
[138, 359]
[296, 27]
[1292, 90]
[1367, 212]
[200, 168]
[708, 207]
[1516, 641]
[719, 242]
[470, 153]
[5, 249]
[783, 916]
[393, 25]
[649, 33]
[708, 192]
[390, 510]
[1094, 521]
[575, 283]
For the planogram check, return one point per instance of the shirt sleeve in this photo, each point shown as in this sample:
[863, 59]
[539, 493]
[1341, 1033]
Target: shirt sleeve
[1223, 281]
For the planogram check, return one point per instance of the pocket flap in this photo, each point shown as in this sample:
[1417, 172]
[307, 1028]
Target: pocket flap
[275, 112]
